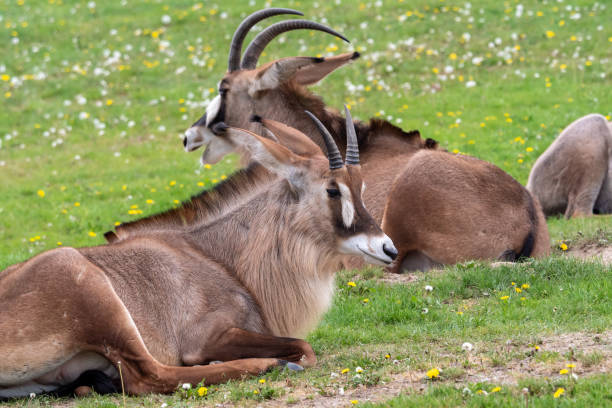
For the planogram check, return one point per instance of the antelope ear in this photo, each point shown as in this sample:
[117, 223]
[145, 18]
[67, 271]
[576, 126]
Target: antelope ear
[273, 156]
[315, 72]
[291, 138]
[303, 70]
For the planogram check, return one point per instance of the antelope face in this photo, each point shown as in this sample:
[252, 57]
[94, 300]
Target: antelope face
[246, 91]
[357, 232]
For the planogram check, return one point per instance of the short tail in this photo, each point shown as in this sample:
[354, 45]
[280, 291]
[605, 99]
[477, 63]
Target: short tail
[529, 241]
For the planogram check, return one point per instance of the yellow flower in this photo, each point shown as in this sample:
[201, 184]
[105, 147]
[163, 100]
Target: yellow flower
[77, 204]
[351, 284]
[537, 348]
[433, 373]
[513, 283]
[523, 299]
[354, 402]
[563, 246]
[134, 206]
[255, 392]
[200, 184]
[262, 381]
[550, 34]
[149, 201]
[345, 370]
[202, 391]
[59, 243]
[518, 290]
[529, 149]
[562, 66]
[117, 223]
[40, 193]
[109, 102]
[453, 56]
[207, 166]
[570, 365]
[506, 297]
[172, 182]
[496, 389]
[560, 391]
[563, 371]
[387, 356]
[525, 286]
[5, 77]
[366, 300]
[91, 234]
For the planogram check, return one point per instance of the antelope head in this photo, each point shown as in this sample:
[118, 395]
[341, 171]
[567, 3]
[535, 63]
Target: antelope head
[328, 190]
[272, 90]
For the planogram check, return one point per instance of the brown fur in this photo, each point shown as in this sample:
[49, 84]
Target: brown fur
[228, 276]
[574, 175]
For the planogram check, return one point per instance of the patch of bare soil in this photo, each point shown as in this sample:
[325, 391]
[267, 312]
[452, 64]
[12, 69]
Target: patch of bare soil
[593, 252]
[576, 346]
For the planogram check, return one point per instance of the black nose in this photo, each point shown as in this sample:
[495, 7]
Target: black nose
[185, 141]
[392, 253]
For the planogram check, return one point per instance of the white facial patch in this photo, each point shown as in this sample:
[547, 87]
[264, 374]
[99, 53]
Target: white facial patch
[362, 189]
[213, 109]
[371, 248]
[348, 209]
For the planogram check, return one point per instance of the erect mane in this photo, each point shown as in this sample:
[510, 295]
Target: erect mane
[201, 207]
[302, 98]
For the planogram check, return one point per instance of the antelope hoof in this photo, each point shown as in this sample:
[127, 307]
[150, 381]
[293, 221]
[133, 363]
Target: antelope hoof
[290, 366]
[215, 362]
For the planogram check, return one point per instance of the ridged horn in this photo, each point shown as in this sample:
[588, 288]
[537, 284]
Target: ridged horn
[244, 28]
[333, 154]
[352, 148]
[256, 47]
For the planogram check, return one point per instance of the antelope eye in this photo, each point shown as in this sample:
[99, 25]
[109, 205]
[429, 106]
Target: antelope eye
[223, 92]
[333, 192]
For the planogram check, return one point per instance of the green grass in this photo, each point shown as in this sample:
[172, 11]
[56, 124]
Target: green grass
[121, 148]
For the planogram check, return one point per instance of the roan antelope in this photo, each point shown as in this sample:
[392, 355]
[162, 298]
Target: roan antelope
[574, 175]
[439, 208]
[252, 269]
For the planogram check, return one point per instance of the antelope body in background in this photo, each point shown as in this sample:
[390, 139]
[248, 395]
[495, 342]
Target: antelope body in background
[253, 267]
[439, 208]
[574, 175]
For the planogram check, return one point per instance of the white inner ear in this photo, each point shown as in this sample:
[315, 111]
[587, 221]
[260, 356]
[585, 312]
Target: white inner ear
[348, 209]
[213, 109]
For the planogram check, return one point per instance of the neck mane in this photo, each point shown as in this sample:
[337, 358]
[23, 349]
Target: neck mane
[336, 124]
[201, 208]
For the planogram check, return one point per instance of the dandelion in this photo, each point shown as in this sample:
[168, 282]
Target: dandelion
[262, 380]
[172, 183]
[513, 283]
[482, 392]
[387, 356]
[518, 290]
[202, 391]
[563, 246]
[345, 370]
[505, 297]
[40, 193]
[550, 34]
[560, 391]
[91, 234]
[366, 300]
[255, 392]
[354, 402]
[563, 371]
[496, 389]
[358, 369]
[351, 284]
[537, 348]
[77, 204]
[570, 365]
[433, 373]
[523, 299]
[149, 201]
[59, 243]
[525, 286]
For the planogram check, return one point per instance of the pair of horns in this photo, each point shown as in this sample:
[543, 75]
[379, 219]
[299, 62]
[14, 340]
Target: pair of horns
[333, 154]
[256, 47]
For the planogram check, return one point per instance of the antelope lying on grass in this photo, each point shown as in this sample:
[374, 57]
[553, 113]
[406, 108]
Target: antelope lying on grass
[253, 268]
[574, 175]
[438, 208]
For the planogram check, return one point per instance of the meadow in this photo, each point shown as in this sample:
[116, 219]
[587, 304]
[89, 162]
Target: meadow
[97, 95]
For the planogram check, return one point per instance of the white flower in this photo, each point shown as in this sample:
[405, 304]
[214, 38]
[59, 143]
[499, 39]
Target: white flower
[166, 19]
[32, 395]
[164, 405]
[467, 391]
[424, 310]
[334, 375]
[186, 386]
[470, 84]
[467, 346]
[428, 288]
[358, 369]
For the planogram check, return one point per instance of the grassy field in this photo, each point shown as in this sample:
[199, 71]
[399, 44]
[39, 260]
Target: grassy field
[97, 94]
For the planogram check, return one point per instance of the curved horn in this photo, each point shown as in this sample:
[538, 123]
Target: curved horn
[243, 29]
[333, 154]
[256, 47]
[352, 148]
